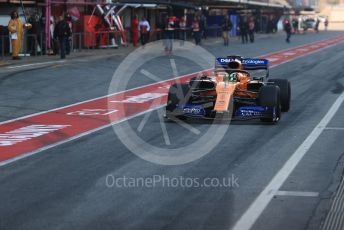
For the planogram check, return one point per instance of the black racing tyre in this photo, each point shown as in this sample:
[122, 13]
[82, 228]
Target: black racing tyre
[285, 92]
[269, 96]
[178, 94]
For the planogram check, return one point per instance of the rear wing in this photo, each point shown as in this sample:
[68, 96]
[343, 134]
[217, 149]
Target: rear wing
[255, 64]
[248, 63]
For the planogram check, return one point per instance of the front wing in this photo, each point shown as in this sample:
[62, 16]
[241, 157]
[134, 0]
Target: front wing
[240, 113]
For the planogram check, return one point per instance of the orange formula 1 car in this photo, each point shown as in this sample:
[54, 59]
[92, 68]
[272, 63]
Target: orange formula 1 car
[233, 92]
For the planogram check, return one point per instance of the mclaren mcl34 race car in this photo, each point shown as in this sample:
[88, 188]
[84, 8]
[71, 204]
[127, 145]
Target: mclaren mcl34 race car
[232, 92]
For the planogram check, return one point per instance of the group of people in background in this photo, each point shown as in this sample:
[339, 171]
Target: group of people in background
[172, 27]
[62, 34]
[296, 25]
[246, 29]
[140, 30]
[168, 29]
[300, 24]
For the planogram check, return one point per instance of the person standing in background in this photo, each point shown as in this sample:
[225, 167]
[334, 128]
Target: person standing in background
[251, 27]
[54, 41]
[203, 24]
[287, 29]
[326, 23]
[16, 29]
[158, 28]
[182, 28]
[144, 29]
[243, 31]
[226, 28]
[170, 28]
[4, 43]
[35, 34]
[62, 33]
[135, 31]
[69, 39]
[270, 25]
[196, 30]
[295, 23]
[317, 22]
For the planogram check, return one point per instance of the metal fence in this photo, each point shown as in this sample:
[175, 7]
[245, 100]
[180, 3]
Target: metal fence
[94, 40]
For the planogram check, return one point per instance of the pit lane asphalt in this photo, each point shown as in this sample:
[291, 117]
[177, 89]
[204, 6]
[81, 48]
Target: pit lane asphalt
[65, 187]
[34, 89]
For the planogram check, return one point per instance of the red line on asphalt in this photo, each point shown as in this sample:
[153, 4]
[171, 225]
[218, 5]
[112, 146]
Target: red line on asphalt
[22, 136]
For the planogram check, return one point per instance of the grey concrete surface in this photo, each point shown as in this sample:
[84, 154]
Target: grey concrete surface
[65, 187]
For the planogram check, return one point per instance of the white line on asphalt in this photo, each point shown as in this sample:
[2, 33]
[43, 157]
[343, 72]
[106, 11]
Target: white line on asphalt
[272, 59]
[334, 128]
[296, 193]
[34, 64]
[289, 54]
[254, 211]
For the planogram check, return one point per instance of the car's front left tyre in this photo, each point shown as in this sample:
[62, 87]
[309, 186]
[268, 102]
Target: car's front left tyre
[285, 92]
[269, 96]
[179, 94]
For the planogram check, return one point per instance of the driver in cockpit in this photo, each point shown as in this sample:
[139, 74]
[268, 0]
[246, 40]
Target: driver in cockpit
[233, 77]
[235, 73]
[237, 77]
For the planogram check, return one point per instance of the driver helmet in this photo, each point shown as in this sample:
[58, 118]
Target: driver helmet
[235, 64]
[233, 77]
